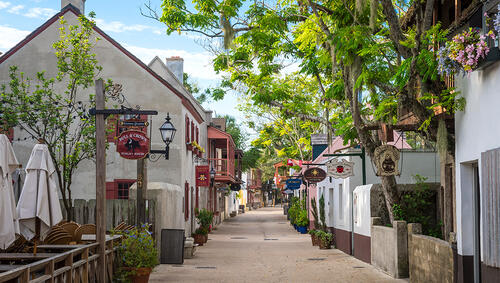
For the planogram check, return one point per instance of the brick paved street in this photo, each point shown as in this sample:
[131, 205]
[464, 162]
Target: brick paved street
[261, 246]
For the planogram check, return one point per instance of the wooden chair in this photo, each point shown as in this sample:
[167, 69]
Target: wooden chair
[86, 229]
[70, 227]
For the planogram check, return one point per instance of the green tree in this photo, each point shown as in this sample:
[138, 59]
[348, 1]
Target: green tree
[236, 131]
[370, 60]
[59, 118]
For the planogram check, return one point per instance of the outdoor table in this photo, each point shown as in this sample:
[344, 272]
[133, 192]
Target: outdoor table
[25, 256]
[92, 237]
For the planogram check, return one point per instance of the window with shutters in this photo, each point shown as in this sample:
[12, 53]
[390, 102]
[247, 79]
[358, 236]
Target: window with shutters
[186, 201]
[119, 188]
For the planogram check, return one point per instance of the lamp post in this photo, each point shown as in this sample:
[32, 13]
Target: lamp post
[167, 131]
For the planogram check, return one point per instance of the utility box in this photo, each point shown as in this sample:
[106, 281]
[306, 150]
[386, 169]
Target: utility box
[172, 246]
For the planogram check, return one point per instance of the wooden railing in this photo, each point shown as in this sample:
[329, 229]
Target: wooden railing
[75, 265]
[222, 166]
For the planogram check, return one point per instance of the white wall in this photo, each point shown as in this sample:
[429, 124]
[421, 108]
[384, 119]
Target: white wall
[362, 213]
[476, 130]
[424, 163]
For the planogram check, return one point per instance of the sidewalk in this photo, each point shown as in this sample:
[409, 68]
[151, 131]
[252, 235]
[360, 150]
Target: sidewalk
[261, 246]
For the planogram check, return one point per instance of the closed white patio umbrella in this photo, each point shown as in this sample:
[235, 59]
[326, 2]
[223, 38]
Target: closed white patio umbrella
[39, 201]
[8, 216]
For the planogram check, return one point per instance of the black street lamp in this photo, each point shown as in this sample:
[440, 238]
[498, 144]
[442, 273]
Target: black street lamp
[167, 131]
[212, 175]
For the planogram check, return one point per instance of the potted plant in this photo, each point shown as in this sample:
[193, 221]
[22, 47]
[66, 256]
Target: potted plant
[139, 254]
[302, 221]
[205, 218]
[314, 238]
[325, 239]
[199, 235]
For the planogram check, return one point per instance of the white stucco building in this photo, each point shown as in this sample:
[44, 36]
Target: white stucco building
[477, 156]
[155, 86]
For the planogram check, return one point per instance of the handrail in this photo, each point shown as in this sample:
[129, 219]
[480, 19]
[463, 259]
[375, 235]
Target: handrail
[23, 272]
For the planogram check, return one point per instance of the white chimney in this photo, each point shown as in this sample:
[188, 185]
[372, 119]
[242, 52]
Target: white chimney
[176, 65]
[79, 4]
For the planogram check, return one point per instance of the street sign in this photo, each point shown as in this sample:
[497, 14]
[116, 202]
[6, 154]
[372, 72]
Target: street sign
[133, 145]
[202, 176]
[314, 175]
[293, 184]
[340, 168]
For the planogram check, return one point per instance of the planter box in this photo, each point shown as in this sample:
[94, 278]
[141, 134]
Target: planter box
[302, 229]
[492, 57]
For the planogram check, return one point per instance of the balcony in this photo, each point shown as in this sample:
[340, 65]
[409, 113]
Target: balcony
[223, 157]
[254, 179]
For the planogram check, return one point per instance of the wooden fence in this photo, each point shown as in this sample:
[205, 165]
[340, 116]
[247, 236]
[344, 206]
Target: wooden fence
[117, 211]
[75, 265]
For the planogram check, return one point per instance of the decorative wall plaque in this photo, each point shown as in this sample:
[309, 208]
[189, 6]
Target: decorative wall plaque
[340, 169]
[387, 160]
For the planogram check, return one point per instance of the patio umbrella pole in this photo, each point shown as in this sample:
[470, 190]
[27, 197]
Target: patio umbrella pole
[37, 220]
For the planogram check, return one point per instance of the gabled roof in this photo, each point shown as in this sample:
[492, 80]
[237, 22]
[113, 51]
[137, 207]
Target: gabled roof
[70, 8]
[214, 133]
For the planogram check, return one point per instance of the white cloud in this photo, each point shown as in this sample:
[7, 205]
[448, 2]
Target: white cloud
[16, 9]
[4, 5]
[197, 65]
[10, 37]
[42, 13]
[116, 26]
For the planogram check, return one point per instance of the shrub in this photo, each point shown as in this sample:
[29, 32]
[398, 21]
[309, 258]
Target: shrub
[137, 248]
[302, 219]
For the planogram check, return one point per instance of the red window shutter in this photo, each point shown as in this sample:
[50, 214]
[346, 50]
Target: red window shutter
[197, 135]
[192, 131]
[111, 128]
[111, 190]
[197, 203]
[186, 201]
[187, 129]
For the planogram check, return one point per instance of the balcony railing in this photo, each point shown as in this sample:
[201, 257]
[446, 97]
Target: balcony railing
[223, 167]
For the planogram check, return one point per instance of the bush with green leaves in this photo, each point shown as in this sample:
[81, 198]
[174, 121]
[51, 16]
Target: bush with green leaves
[312, 232]
[418, 206]
[314, 213]
[204, 217]
[322, 213]
[201, 231]
[137, 248]
[302, 219]
[324, 236]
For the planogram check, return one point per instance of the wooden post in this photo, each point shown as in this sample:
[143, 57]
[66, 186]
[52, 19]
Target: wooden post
[142, 184]
[100, 181]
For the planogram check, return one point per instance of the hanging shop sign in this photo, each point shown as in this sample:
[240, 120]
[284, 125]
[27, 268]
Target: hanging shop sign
[314, 175]
[235, 187]
[133, 145]
[340, 169]
[293, 184]
[386, 158]
[202, 176]
[288, 192]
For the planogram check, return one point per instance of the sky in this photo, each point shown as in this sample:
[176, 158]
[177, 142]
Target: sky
[122, 20]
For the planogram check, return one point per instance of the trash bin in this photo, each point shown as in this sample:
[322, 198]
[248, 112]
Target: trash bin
[172, 246]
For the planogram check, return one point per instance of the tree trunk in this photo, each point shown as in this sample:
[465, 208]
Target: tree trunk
[391, 194]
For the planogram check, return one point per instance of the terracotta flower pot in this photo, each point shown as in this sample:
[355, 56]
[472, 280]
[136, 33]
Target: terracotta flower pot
[324, 245]
[199, 239]
[139, 275]
[205, 238]
[314, 240]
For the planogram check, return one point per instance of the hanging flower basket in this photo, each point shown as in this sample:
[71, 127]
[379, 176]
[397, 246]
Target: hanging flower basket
[189, 146]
